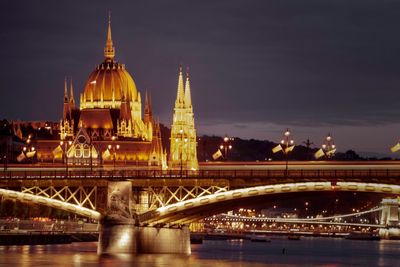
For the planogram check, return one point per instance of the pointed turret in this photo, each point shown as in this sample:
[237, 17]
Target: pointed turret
[151, 107]
[125, 113]
[146, 102]
[71, 96]
[146, 118]
[157, 157]
[66, 107]
[109, 50]
[188, 96]
[124, 124]
[65, 91]
[180, 94]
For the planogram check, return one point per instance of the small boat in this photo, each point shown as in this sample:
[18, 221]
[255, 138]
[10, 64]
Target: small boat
[362, 236]
[293, 237]
[259, 238]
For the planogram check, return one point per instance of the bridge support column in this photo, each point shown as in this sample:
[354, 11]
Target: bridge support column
[390, 218]
[117, 238]
[119, 232]
[128, 238]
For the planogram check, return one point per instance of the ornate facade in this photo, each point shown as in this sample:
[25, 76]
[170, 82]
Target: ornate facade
[183, 152]
[108, 125]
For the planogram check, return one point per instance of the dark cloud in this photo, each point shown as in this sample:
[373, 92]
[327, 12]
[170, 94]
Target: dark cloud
[300, 63]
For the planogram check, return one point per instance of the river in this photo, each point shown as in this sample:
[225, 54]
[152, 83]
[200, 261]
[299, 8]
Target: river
[280, 252]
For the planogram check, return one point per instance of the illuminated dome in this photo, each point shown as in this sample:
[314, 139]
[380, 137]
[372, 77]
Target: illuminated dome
[109, 83]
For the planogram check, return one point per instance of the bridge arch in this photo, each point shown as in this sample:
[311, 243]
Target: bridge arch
[201, 207]
[57, 204]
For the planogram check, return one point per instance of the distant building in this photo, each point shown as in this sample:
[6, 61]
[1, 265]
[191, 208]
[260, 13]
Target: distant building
[279, 213]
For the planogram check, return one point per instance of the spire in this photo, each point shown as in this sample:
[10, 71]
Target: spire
[146, 104]
[147, 109]
[124, 109]
[66, 106]
[122, 96]
[188, 97]
[71, 95]
[151, 107]
[109, 51]
[180, 93]
[65, 90]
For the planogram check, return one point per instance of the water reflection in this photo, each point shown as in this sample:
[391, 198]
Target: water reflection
[306, 252]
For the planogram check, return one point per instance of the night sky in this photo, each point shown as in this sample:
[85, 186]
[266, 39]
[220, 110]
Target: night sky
[256, 67]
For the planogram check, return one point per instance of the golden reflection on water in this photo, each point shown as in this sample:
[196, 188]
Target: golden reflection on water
[387, 247]
[307, 252]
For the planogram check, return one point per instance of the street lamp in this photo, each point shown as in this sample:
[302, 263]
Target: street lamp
[29, 149]
[65, 145]
[226, 145]
[329, 146]
[287, 144]
[114, 148]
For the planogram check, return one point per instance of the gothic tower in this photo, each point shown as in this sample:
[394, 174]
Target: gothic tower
[183, 132]
[67, 123]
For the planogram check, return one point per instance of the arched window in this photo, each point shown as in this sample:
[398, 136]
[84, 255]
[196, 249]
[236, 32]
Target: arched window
[86, 151]
[78, 151]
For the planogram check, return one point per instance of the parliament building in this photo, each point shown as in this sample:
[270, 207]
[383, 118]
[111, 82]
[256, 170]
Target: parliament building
[110, 126]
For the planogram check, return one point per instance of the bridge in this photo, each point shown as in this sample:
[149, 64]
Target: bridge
[156, 205]
[335, 220]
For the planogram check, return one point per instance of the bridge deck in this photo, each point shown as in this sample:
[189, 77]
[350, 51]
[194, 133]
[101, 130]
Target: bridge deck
[233, 177]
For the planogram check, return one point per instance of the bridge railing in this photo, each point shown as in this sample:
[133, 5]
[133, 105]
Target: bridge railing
[201, 174]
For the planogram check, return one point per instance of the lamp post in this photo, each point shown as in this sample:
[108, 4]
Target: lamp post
[306, 205]
[29, 149]
[226, 145]
[329, 146]
[287, 145]
[66, 144]
[114, 148]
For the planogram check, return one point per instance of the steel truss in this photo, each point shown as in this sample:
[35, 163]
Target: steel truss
[163, 196]
[81, 196]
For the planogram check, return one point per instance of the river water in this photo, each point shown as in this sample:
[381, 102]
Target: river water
[280, 252]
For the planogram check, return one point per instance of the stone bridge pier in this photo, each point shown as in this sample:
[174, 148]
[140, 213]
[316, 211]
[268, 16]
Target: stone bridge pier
[120, 230]
[390, 219]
